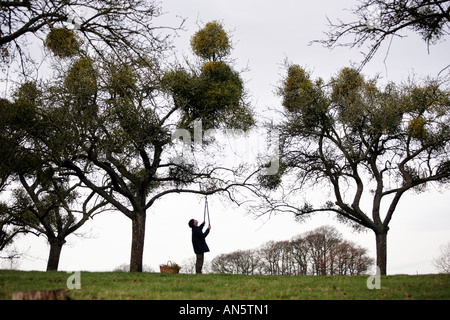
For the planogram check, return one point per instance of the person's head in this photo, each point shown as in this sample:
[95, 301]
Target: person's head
[193, 223]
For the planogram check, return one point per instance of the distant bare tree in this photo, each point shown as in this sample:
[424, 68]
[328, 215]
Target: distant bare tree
[270, 254]
[442, 263]
[246, 261]
[237, 262]
[125, 267]
[318, 252]
[322, 243]
[350, 259]
[188, 265]
[300, 255]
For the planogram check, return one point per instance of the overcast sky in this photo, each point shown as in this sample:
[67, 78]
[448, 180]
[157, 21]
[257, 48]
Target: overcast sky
[264, 34]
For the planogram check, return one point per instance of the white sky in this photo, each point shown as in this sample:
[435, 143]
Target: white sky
[264, 33]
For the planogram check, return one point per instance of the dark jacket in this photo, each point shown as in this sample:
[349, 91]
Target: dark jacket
[198, 239]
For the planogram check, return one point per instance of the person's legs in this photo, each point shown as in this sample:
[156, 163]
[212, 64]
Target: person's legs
[199, 263]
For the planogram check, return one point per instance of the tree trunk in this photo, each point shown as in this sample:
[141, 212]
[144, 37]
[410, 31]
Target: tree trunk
[381, 240]
[137, 242]
[55, 253]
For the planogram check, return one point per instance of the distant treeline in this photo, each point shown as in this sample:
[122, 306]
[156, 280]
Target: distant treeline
[322, 251]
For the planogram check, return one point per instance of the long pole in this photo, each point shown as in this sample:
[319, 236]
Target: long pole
[206, 211]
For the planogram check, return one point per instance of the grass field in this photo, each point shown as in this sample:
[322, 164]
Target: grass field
[132, 286]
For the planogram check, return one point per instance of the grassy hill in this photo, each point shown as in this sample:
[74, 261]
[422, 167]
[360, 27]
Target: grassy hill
[131, 286]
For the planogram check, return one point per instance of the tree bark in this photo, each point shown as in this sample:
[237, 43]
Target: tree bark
[381, 241]
[137, 242]
[55, 253]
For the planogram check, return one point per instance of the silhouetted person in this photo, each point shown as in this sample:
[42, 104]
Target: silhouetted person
[199, 243]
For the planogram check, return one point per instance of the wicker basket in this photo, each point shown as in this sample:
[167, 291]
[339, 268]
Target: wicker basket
[169, 268]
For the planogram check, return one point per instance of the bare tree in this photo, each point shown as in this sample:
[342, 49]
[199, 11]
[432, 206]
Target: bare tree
[237, 262]
[378, 20]
[322, 243]
[442, 263]
[318, 252]
[270, 254]
[300, 255]
[188, 265]
[222, 264]
[350, 259]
